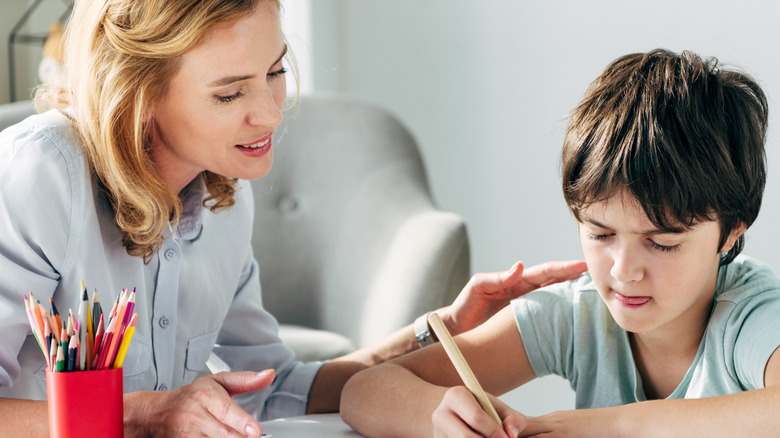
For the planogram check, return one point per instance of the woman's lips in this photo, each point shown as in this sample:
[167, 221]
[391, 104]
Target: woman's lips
[257, 148]
[628, 301]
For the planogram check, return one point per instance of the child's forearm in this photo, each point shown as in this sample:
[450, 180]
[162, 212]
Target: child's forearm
[751, 413]
[388, 400]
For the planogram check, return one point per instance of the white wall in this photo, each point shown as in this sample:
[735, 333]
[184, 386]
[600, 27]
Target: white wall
[486, 85]
[27, 55]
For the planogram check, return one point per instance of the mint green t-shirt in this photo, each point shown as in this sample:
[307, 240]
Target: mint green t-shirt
[567, 330]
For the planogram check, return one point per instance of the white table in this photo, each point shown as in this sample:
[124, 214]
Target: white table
[307, 426]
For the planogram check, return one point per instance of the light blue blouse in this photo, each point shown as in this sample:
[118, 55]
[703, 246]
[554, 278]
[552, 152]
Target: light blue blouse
[200, 292]
[567, 330]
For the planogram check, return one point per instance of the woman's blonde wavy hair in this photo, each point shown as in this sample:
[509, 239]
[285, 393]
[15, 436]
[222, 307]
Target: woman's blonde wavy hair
[119, 58]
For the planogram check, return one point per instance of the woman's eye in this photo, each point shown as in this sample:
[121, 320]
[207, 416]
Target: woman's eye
[230, 98]
[276, 73]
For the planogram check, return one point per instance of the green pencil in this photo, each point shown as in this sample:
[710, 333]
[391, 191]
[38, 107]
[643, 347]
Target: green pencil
[60, 359]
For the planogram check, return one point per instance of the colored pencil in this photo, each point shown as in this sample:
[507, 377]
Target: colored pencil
[98, 339]
[60, 358]
[33, 325]
[48, 339]
[64, 338]
[83, 326]
[120, 357]
[97, 312]
[53, 356]
[73, 352]
[55, 314]
[105, 345]
[129, 309]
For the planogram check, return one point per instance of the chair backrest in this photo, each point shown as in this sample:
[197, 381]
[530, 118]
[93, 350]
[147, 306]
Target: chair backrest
[346, 234]
[13, 113]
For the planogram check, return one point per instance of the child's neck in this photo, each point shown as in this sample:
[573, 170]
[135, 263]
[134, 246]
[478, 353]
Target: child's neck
[662, 365]
[664, 356]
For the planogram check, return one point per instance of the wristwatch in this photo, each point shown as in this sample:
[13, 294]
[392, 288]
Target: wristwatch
[422, 331]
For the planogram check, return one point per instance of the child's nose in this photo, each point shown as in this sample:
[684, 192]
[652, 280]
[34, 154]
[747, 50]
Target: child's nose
[626, 266]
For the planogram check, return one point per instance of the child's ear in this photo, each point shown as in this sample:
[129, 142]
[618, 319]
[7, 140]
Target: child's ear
[737, 231]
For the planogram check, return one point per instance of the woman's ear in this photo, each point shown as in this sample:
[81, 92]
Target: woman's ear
[737, 231]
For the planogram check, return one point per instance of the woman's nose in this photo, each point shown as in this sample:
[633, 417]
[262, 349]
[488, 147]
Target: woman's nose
[266, 109]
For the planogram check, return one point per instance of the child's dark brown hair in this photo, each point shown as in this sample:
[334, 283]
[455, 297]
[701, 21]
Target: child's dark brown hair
[684, 137]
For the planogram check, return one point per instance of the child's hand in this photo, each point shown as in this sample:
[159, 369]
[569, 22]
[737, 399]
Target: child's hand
[580, 423]
[459, 414]
[486, 294]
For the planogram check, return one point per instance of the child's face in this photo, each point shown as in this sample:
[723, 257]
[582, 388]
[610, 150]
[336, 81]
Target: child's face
[652, 281]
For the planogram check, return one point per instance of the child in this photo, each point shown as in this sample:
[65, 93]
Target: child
[671, 332]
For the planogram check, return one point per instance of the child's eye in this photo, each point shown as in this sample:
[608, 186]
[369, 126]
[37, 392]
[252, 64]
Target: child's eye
[227, 99]
[594, 236]
[276, 73]
[665, 248]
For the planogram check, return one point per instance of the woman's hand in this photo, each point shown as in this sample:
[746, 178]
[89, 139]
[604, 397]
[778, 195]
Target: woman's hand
[486, 294]
[460, 415]
[204, 408]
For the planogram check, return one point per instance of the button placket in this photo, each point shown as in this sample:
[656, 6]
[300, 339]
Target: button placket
[165, 305]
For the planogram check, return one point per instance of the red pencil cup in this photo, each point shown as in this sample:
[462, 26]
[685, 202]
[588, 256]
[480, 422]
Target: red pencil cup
[85, 404]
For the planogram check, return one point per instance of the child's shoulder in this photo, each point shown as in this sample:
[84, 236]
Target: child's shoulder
[747, 278]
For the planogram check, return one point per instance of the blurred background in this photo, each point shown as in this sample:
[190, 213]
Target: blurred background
[486, 86]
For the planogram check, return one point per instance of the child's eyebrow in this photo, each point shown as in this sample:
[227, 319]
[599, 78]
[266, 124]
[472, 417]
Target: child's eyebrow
[651, 232]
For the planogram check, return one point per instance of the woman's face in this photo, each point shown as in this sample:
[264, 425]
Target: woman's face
[223, 104]
[652, 281]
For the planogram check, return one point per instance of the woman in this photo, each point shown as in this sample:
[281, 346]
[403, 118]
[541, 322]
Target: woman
[136, 178]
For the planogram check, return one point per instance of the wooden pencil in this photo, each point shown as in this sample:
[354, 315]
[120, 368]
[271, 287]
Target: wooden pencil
[60, 364]
[105, 345]
[83, 332]
[55, 314]
[33, 324]
[73, 352]
[126, 337]
[97, 311]
[471, 382]
[98, 339]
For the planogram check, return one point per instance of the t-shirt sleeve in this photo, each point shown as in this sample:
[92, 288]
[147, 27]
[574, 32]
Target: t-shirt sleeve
[544, 318]
[758, 336]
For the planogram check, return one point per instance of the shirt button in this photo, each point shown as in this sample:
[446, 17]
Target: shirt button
[170, 253]
[164, 321]
[163, 387]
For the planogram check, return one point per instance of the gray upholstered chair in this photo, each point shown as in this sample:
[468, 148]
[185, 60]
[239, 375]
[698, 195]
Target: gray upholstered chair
[350, 244]
[347, 236]
[12, 113]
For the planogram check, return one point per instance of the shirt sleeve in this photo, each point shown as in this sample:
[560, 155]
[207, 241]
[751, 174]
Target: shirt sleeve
[544, 319]
[36, 195]
[758, 336]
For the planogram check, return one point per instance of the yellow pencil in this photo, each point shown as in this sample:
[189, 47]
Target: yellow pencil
[462, 366]
[120, 356]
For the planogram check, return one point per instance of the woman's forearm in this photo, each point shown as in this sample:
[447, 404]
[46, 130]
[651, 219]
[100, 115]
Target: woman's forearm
[24, 418]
